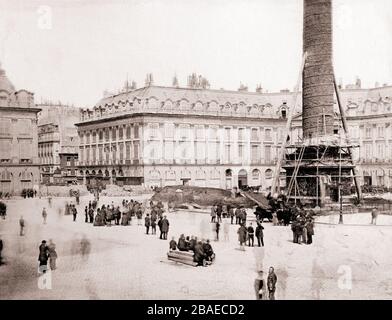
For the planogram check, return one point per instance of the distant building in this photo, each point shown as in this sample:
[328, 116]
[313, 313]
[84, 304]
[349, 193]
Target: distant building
[19, 162]
[57, 135]
[157, 136]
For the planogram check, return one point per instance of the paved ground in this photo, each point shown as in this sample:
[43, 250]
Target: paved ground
[124, 263]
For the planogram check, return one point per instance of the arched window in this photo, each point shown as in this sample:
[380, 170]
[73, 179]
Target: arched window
[268, 174]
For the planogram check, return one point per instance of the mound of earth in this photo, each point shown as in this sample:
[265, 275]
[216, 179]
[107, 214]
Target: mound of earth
[200, 196]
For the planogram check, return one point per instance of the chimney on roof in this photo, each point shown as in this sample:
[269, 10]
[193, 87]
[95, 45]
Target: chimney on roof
[243, 88]
[149, 80]
[358, 83]
[175, 81]
[259, 89]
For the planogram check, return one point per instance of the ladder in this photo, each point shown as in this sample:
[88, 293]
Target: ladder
[295, 172]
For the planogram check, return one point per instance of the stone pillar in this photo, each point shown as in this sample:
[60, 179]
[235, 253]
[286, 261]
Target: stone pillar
[317, 87]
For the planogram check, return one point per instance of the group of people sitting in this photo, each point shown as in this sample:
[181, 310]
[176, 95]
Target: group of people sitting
[202, 249]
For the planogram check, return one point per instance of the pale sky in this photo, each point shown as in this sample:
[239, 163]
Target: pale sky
[83, 47]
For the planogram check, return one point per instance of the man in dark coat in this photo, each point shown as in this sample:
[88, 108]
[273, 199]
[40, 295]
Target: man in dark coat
[242, 236]
[237, 215]
[199, 254]
[208, 252]
[86, 214]
[172, 244]
[74, 212]
[251, 235]
[309, 230]
[117, 215]
[160, 227]
[153, 225]
[165, 228]
[192, 243]
[260, 234]
[231, 214]
[271, 283]
[147, 223]
[219, 212]
[182, 244]
[43, 256]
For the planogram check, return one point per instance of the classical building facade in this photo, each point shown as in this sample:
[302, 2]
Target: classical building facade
[19, 162]
[159, 136]
[57, 135]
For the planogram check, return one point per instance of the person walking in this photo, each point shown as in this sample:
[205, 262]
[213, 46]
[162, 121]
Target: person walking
[271, 283]
[21, 225]
[52, 255]
[86, 214]
[260, 234]
[147, 223]
[165, 228]
[44, 215]
[74, 212]
[251, 235]
[374, 216]
[217, 228]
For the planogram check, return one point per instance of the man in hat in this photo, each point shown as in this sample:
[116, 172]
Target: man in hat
[271, 283]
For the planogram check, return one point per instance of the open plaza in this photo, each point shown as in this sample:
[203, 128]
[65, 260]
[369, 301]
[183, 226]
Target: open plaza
[348, 261]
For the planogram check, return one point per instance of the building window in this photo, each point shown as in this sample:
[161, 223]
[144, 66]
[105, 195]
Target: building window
[213, 133]
[200, 132]
[128, 132]
[255, 154]
[227, 153]
[380, 131]
[136, 131]
[107, 138]
[120, 133]
[169, 130]
[100, 136]
[136, 151]
[227, 134]
[267, 153]
[241, 134]
[241, 152]
[153, 130]
[121, 147]
[255, 134]
[94, 137]
[114, 133]
[368, 133]
[268, 136]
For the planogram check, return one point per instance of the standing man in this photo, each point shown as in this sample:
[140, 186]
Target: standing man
[237, 215]
[260, 234]
[310, 230]
[86, 214]
[165, 228]
[271, 283]
[21, 225]
[374, 216]
[242, 236]
[251, 234]
[219, 210]
[74, 212]
[44, 215]
[147, 223]
[160, 227]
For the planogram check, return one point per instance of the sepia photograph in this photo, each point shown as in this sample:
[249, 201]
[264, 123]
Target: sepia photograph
[195, 150]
